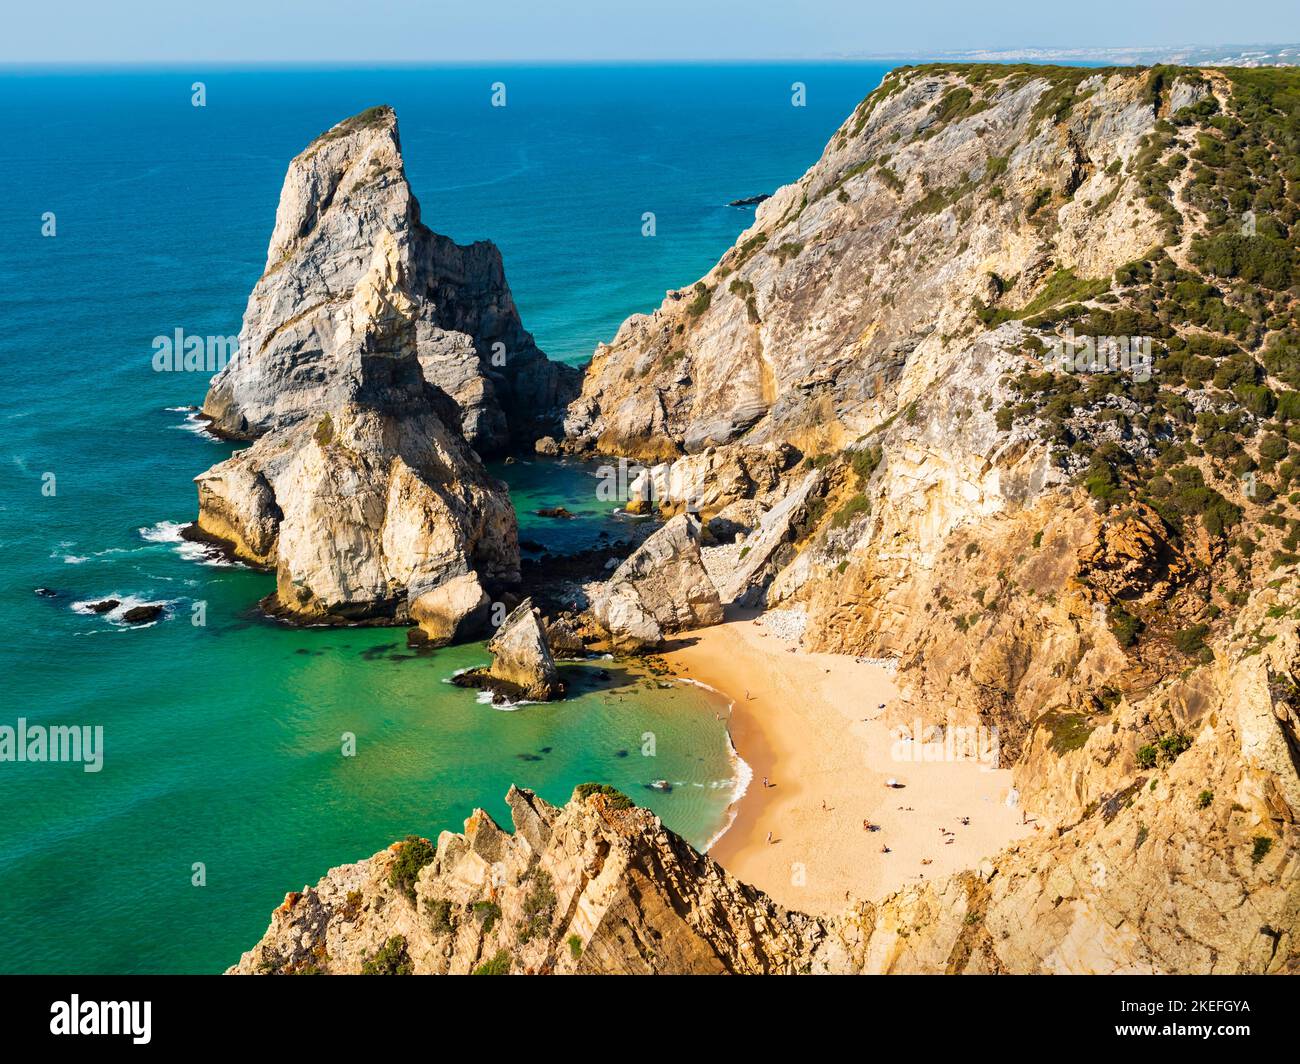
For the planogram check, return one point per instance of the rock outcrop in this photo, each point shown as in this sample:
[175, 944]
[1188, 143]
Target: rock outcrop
[522, 664]
[343, 196]
[572, 890]
[452, 611]
[360, 490]
[661, 588]
[601, 887]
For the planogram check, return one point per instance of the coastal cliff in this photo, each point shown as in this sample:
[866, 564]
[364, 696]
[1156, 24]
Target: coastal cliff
[1007, 388]
[600, 887]
[1034, 329]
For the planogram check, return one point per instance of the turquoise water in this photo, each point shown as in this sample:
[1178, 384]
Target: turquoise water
[223, 740]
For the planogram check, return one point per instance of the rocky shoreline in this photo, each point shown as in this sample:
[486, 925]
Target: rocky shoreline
[853, 420]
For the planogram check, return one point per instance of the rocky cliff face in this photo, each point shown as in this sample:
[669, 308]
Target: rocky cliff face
[852, 292]
[596, 887]
[360, 490]
[1035, 330]
[912, 387]
[342, 197]
[601, 887]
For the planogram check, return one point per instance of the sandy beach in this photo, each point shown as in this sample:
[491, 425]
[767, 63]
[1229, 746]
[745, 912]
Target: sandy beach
[808, 723]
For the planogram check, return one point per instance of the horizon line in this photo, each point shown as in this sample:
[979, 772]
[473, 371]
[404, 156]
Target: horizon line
[970, 55]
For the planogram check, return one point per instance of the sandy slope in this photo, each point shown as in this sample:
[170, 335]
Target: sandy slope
[806, 722]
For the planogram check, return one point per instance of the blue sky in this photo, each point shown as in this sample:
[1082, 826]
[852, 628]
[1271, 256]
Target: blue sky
[314, 31]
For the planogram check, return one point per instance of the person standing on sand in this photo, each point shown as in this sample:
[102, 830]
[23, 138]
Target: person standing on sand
[769, 838]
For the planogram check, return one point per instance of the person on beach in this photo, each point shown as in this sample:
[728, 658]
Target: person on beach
[769, 838]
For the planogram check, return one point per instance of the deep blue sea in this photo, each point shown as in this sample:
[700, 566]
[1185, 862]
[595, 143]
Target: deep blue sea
[222, 740]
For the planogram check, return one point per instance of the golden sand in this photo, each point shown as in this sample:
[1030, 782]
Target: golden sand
[808, 724]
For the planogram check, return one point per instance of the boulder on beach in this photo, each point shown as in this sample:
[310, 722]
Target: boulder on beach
[563, 637]
[521, 657]
[661, 588]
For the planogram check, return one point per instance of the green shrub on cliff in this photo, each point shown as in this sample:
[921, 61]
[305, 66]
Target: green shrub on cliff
[488, 913]
[413, 855]
[859, 504]
[392, 959]
[498, 965]
[539, 907]
[614, 798]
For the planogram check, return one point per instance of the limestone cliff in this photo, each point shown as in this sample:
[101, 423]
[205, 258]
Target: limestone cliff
[1035, 330]
[360, 490]
[912, 387]
[343, 195]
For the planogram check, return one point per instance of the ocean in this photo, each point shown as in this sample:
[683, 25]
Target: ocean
[223, 740]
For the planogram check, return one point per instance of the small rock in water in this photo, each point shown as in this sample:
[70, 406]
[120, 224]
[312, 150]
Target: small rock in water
[104, 606]
[554, 511]
[143, 614]
[47, 592]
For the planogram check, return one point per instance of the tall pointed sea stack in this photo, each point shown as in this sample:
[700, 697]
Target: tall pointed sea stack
[343, 195]
[361, 490]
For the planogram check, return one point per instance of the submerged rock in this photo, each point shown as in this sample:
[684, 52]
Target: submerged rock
[661, 588]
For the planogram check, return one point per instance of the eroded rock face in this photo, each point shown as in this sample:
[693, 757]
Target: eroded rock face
[569, 891]
[343, 195]
[851, 293]
[452, 611]
[360, 490]
[661, 588]
[877, 317]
